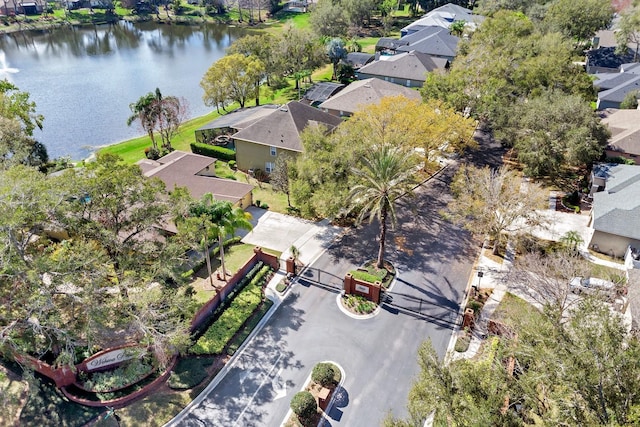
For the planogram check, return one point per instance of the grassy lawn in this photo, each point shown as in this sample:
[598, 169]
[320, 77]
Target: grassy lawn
[132, 150]
[154, 410]
[222, 170]
[510, 308]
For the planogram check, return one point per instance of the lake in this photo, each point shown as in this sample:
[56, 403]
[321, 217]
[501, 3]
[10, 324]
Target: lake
[83, 79]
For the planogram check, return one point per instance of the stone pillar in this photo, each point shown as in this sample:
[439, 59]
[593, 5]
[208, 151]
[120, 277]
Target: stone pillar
[374, 292]
[348, 284]
[291, 265]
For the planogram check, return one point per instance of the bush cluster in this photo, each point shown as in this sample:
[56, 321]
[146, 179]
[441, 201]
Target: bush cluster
[304, 405]
[364, 276]
[214, 151]
[323, 374]
[234, 312]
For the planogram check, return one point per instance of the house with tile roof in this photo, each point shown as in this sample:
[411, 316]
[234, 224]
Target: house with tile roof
[407, 69]
[259, 144]
[624, 126]
[197, 174]
[615, 216]
[362, 93]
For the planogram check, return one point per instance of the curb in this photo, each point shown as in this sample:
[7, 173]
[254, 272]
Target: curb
[458, 322]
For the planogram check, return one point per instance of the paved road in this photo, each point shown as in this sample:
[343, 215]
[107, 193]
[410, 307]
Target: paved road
[434, 260]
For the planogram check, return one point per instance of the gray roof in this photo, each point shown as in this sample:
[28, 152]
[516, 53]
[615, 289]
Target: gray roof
[445, 16]
[617, 94]
[438, 43]
[616, 210]
[366, 92]
[625, 130]
[606, 81]
[283, 126]
[322, 91]
[358, 59]
[430, 40]
[410, 65]
[240, 118]
[194, 171]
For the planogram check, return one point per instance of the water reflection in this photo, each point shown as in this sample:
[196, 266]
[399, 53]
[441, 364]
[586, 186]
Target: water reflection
[83, 79]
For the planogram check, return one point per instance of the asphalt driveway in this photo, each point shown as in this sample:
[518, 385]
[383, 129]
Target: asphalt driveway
[433, 259]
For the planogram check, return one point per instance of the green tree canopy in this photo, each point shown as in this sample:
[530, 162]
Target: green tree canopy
[552, 131]
[84, 266]
[232, 78]
[579, 19]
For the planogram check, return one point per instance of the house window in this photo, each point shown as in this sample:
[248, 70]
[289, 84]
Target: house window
[273, 151]
[408, 83]
[269, 167]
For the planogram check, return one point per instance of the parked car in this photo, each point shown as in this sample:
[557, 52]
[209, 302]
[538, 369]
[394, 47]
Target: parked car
[593, 285]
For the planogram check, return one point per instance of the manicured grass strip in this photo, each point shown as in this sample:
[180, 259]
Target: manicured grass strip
[189, 372]
[233, 317]
[364, 276]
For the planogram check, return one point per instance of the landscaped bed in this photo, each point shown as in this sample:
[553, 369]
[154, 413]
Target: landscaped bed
[231, 315]
[325, 377]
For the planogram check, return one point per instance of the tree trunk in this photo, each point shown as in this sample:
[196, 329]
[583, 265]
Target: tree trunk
[288, 199]
[221, 246]
[207, 255]
[383, 236]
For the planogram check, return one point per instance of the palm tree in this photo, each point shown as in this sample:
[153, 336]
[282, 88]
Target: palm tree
[386, 174]
[571, 240]
[145, 110]
[208, 219]
[227, 220]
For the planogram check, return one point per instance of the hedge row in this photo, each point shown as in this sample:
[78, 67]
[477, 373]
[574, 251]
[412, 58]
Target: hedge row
[214, 151]
[241, 304]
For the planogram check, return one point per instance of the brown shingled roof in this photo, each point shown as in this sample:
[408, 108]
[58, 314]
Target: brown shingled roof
[282, 128]
[181, 169]
[366, 92]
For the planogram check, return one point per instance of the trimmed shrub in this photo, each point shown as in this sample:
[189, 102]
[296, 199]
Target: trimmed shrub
[304, 405]
[232, 164]
[214, 151]
[323, 374]
[234, 312]
[364, 276]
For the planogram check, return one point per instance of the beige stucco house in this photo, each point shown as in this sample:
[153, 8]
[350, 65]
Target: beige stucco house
[259, 144]
[624, 126]
[197, 174]
[615, 217]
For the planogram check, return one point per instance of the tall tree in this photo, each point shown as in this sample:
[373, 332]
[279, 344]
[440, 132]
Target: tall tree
[582, 372]
[208, 219]
[507, 61]
[83, 263]
[156, 112]
[328, 19]
[552, 131]
[629, 30]
[18, 120]
[386, 174]
[279, 178]
[300, 51]
[336, 53]
[579, 19]
[233, 78]
[493, 202]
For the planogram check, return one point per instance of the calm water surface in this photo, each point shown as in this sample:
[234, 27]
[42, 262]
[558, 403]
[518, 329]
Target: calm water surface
[83, 79]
